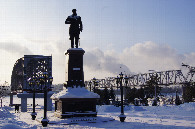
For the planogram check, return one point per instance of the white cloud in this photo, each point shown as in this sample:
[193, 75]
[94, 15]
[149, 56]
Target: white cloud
[15, 48]
[138, 58]
[189, 58]
[103, 64]
[151, 56]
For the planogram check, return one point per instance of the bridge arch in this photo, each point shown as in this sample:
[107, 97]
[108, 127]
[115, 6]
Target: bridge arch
[17, 78]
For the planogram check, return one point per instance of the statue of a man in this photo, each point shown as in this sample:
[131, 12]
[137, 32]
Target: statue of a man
[75, 27]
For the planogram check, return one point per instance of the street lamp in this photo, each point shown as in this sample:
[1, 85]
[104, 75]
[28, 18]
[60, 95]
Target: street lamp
[41, 79]
[120, 80]
[153, 78]
[32, 85]
[126, 82]
[90, 85]
[117, 82]
[94, 82]
[47, 80]
[50, 82]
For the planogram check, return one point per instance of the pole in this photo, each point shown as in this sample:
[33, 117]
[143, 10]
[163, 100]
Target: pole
[122, 115]
[155, 92]
[33, 114]
[45, 121]
[117, 92]
[94, 87]
[45, 102]
[122, 110]
[34, 100]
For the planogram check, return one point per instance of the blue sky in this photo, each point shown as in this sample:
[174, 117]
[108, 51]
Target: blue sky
[111, 26]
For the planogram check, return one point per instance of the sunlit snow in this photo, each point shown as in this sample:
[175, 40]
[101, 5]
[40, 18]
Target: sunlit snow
[138, 117]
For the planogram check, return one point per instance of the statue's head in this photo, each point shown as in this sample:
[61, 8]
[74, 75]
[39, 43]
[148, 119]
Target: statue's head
[74, 11]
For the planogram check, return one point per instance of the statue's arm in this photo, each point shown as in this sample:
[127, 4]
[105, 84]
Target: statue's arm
[81, 25]
[68, 21]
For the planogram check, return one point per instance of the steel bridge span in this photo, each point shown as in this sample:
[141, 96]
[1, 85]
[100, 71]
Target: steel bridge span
[164, 78]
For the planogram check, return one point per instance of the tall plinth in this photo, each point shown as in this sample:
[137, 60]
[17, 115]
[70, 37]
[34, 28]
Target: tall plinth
[74, 67]
[75, 100]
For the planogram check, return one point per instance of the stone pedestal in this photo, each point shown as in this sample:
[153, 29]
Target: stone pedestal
[75, 107]
[75, 102]
[74, 67]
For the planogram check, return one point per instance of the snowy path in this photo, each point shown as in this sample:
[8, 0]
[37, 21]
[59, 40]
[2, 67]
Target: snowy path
[165, 117]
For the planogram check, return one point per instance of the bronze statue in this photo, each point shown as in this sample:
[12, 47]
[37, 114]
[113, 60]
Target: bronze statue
[75, 27]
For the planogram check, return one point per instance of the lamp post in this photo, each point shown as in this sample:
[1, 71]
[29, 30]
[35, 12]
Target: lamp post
[94, 82]
[153, 78]
[32, 85]
[41, 80]
[117, 82]
[122, 116]
[90, 85]
[120, 80]
[47, 80]
[126, 80]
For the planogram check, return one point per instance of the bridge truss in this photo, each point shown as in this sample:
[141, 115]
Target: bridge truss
[164, 78]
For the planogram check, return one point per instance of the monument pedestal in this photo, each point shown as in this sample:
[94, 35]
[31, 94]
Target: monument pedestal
[75, 102]
[74, 75]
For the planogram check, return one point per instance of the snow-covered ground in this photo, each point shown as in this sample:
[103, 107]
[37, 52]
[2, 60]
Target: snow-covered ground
[140, 117]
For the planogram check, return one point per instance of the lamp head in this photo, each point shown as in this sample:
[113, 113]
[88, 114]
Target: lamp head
[126, 79]
[117, 80]
[94, 79]
[50, 78]
[121, 75]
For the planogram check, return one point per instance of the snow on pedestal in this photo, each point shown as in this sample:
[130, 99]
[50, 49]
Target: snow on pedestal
[76, 101]
[75, 92]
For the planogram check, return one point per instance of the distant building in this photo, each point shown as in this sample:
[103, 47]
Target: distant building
[5, 89]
